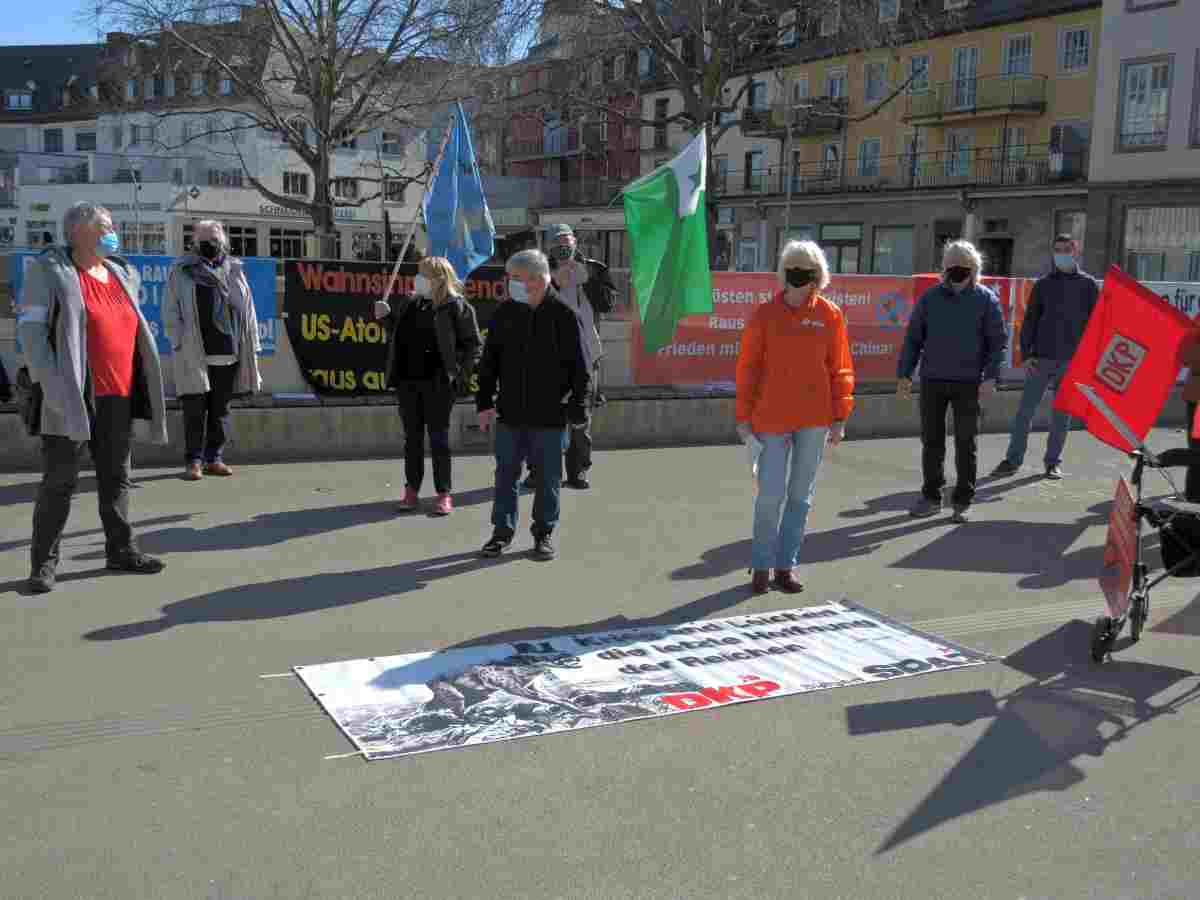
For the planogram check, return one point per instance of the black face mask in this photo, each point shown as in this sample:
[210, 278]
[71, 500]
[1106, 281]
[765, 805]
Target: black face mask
[210, 250]
[800, 277]
[957, 274]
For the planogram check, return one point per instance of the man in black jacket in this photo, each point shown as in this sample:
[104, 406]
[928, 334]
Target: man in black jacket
[534, 350]
[586, 287]
[1059, 309]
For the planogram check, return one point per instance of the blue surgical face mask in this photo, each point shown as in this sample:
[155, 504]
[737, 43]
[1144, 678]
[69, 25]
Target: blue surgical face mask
[518, 291]
[108, 245]
[421, 286]
[1065, 262]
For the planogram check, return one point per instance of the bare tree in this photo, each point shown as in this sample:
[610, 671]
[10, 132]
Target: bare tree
[704, 51]
[320, 75]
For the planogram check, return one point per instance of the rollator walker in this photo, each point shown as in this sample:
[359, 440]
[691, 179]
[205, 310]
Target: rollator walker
[1178, 524]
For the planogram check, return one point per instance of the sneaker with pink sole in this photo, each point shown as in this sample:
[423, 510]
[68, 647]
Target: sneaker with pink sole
[410, 501]
[442, 506]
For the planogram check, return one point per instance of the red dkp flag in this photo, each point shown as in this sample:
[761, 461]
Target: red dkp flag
[1129, 356]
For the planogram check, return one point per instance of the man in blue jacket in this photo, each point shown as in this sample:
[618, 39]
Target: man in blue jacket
[958, 335]
[1059, 309]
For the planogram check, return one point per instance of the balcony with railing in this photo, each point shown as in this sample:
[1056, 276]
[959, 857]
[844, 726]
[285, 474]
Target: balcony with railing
[40, 169]
[811, 118]
[996, 167]
[554, 143]
[515, 192]
[966, 98]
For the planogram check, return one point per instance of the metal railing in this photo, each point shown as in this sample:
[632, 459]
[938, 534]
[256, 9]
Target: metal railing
[563, 141]
[108, 168]
[966, 96]
[1147, 140]
[984, 167]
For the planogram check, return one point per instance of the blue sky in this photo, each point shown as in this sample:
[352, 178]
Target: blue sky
[43, 22]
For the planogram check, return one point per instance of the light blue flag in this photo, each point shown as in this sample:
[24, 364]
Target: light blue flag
[456, 212]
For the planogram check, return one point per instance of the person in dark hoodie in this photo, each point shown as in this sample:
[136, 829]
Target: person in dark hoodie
[958, 335]
[535, 353]
[92, 352]
[1058, 313]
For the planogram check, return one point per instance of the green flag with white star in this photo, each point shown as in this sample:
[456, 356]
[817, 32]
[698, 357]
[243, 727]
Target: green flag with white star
[668, 239]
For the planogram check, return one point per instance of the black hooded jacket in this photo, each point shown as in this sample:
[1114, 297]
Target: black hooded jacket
[536, 356]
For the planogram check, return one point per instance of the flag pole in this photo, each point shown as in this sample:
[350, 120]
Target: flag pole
[412, 226]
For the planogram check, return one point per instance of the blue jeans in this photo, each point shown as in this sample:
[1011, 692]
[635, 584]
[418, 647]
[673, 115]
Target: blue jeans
[787, 476]
[1049, 373]
[543, 449]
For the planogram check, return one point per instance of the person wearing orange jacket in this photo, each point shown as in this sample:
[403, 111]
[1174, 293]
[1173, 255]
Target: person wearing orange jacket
[795, 390]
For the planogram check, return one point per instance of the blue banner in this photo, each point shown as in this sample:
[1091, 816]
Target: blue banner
[260, 273]
[457, 219]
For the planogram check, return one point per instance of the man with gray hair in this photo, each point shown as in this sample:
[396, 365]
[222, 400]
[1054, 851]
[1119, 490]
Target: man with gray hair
[958, 335]
[535, 355]
[94, 357]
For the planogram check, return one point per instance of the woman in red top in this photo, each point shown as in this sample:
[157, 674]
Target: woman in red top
[795, 389]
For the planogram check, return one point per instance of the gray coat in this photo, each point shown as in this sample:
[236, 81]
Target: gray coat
[59, 363]
[181, 322]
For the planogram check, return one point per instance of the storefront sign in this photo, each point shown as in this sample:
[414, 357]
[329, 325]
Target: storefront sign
[340, 347]
[510, 218]
[282, 212]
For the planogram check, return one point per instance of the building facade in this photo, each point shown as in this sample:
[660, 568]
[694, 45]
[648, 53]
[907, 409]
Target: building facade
[988, 139]
[1144, 202]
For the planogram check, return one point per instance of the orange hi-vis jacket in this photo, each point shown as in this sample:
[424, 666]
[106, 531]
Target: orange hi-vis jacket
[794, 368]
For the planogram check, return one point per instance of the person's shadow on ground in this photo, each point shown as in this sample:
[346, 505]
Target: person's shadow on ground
[157, 520]
[1036, 550]
[269, 529]
[295, 596]
[26, 491]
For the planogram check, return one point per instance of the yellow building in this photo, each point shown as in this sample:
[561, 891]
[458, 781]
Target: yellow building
[988, 139]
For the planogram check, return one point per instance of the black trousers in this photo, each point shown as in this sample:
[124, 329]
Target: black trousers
[963, 399]
[1191, 489]
[578, 457]
[206, 427]
[110, 445]
[425, 406]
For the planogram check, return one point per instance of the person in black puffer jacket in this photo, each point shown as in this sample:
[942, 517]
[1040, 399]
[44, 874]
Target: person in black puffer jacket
[433, 346]
[535, 357]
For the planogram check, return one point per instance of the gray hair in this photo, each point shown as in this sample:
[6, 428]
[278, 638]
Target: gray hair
[803, 255]
[217, 228]
[82, 213]
[963, 253]
[528, 262]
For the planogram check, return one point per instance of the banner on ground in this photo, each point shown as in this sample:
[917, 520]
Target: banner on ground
[260, 273]
[340, 347]
[416, 703]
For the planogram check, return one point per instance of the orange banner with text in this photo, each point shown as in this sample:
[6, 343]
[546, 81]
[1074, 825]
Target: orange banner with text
[705, 348]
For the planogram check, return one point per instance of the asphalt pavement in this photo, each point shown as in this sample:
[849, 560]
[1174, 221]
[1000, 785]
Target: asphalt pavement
[143, 754]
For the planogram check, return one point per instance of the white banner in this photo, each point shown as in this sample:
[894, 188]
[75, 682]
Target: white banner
[400, 705]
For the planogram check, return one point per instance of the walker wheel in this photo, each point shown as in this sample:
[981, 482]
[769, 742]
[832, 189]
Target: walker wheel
[1138, 613]
[1103, 638]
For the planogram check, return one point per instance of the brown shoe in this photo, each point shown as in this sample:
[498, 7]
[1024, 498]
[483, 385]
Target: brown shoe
[193, 472]
[786, 583]
[761, 581]
[218, 468]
